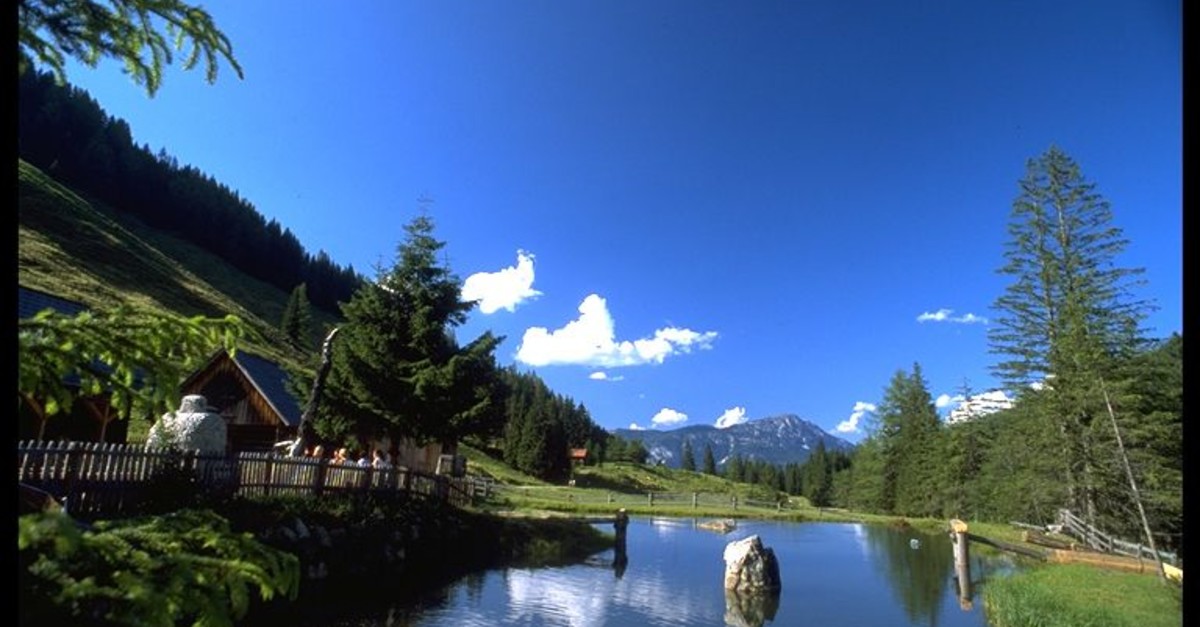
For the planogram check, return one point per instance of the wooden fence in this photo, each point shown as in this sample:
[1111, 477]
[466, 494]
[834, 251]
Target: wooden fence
[695, 500]
[94, 479]
[1100, 541]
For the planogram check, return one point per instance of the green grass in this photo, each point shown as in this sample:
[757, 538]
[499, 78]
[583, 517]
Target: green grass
[88, 253]
[602, 490]
[480, 463]
[1082, 595]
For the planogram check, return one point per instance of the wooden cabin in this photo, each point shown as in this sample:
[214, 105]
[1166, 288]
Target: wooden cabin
[91, 419]
[578, 456]
[252, 395]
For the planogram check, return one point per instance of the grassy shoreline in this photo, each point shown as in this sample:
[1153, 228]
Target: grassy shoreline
[1046, 594]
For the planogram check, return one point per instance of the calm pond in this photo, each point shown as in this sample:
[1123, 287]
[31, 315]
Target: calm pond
[833, 574]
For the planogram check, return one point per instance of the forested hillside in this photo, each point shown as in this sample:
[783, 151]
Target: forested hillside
[65, 133]
[87, 253]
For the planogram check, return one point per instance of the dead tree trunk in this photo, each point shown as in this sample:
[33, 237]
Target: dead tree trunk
[303, 433]
[1137, 496]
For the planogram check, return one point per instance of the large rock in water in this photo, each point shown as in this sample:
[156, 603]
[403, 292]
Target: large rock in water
[751, 567]
[193, 427]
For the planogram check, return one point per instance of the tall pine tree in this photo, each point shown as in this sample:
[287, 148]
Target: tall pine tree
[1067, 319]
[687, 457]
[710, 464]
[296, 322]
[907, 441]
[398, 370]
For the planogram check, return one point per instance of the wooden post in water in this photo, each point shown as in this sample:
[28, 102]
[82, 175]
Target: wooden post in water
[620, 558]
[620, 522]
[962, 565]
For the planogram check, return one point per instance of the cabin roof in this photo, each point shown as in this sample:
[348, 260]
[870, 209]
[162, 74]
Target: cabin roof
[271, 381]
[265, 376]
[31, 301]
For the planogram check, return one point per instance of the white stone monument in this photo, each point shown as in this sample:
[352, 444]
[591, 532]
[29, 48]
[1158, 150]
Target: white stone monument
[195, 426]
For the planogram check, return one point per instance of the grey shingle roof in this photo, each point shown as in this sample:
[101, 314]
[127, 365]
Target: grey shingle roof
[30, 301]
[271, 381]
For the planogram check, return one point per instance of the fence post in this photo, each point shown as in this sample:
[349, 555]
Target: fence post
[71, 475]
[269, 475]
[735, 501]
[650, 495]
[366, 479]
[319, 476]
[695, 500]
[610, 497]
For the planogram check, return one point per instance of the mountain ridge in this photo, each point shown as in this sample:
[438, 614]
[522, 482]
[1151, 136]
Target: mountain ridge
[778, 439]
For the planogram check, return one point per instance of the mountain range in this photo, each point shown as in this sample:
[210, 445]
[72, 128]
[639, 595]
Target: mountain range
[782, 439]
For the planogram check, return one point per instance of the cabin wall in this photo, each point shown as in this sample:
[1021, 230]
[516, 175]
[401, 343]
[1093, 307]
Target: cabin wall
[250, 422]
[78, 425]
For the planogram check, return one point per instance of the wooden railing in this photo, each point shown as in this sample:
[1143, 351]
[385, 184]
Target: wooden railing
[95, 479]
[695, 500]
[1103, 542]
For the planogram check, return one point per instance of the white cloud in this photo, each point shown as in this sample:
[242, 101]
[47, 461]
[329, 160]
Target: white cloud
[945, 315]
[667, 416]
[945, 400]
[633, 426]
[601, 375]
[503, 289]
[732, 416]
[590, 340]
[850, 425]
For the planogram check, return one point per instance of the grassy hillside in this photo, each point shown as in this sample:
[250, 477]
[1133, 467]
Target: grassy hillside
[87, 252]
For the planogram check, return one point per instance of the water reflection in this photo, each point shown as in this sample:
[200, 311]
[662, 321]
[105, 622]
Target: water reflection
[750, 609]
[917, 575]
[672, 574]
[620, 563]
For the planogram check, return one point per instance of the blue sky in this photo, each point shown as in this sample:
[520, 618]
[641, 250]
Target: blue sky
[685, 212]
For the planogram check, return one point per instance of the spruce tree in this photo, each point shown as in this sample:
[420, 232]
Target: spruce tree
[818, 477]
[735, 469]
[909, 442]
[710, 464]
[1068, 319]
[867, 488]
[617, 449]
[296, 322]
[636, 450]
[398, 370]
[687, 458]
